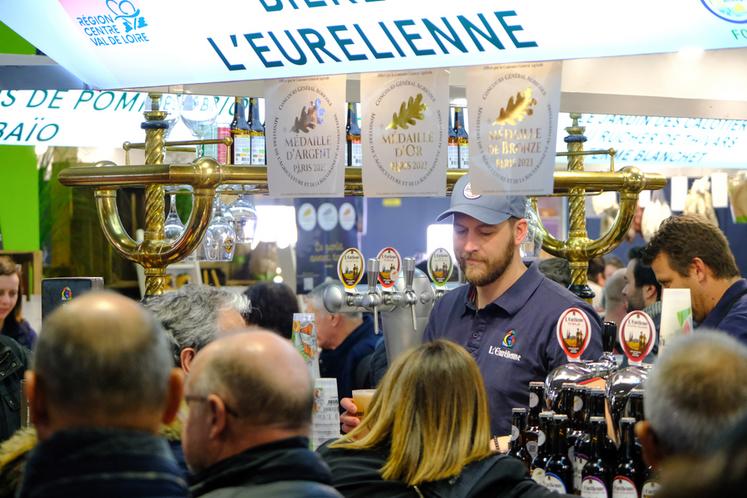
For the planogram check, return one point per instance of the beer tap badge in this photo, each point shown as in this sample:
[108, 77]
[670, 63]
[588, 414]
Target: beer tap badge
[637, 336]
[440, 266]
[573, 332]
[350, 267]
[390, 264]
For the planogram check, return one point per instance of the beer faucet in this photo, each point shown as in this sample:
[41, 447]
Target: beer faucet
[411, 298]
[372, 299]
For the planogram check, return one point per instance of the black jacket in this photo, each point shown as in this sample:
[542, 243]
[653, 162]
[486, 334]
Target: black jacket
[14, 359]
[281, 469]
[356, 474]
[92, 463]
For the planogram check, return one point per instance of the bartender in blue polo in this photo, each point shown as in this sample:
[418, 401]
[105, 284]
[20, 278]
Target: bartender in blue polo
[506, 314]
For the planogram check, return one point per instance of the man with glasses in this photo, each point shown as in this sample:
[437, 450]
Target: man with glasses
[250, 398]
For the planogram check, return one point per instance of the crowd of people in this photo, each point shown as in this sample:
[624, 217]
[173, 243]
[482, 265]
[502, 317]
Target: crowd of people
[200, 392]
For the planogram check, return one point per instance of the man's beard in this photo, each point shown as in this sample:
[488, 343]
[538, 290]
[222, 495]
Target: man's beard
[635, 302]
[494, 267]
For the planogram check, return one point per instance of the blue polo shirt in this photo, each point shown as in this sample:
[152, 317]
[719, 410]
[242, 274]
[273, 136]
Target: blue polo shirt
[512, 339]
[730, 313]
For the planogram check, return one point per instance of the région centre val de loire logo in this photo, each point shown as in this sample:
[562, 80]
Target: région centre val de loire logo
[729, 10]
[107, 23]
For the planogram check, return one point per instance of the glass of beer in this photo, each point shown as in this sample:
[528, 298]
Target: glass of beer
[362, 398]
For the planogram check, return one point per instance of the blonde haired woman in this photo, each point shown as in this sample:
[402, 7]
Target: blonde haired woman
[427, 434]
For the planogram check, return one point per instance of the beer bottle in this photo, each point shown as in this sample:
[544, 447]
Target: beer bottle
[543, 447]
[597, 403]
[518, 427]
[629, 473]
[578, 439]
[651, 484]
[536, 404]
[462, 138]
[353, 138]
[453, 149]
[257, 133]
[241, 146]
[596, 476]
[635, 404]
[564, 401]
[559, 470]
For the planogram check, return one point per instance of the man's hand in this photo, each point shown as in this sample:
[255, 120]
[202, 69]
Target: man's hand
[348, 419]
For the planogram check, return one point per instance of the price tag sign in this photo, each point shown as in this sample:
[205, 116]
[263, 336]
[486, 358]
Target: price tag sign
[350, 268]
[573, 332]
[637, 336]
[390, 264]
[440, 267]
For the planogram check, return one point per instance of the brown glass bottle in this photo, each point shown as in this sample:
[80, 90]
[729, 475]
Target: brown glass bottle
[544, 442]
[462, 138]
[517, 446]
[596, 476]
[241, 146]
[453, 149]
[597, 403]
[578, 437]
[257, 133]
[536, 405]
[353, 138]
[559, 470]
[629, 473]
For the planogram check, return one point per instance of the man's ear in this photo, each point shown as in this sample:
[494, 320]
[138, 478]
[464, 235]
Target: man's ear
[699, 270]
[649, 292]
[335, 319]
[186, 356]
[218, 413]
[173, 396]
[652, 451]
[38, 409]
[521, 227]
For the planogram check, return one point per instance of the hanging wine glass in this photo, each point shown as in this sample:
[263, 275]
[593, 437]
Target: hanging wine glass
[199, 112]
[173, 226]
[245, 219]
[219, 243]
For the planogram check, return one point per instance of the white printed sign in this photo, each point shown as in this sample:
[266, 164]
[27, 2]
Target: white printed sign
[305, 130]
[404, 133]
[513, 126]
[136, 43]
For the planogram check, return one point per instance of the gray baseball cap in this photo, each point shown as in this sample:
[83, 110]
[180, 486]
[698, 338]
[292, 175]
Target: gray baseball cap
[489, 209]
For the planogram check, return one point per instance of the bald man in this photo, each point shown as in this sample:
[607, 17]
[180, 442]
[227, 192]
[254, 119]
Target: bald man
[250, 397]
[615, 304]
[103, 381]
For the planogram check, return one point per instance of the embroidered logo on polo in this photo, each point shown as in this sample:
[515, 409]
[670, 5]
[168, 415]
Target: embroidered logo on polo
[509, 339]
[504, 350]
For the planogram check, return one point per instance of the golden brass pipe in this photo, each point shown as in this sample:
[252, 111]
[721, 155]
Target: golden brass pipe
[111, 224]
[227, 141]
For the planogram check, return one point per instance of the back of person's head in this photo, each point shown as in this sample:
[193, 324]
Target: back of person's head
[685, 237]
[612, 261]
[191, 315]
[101, 360]
[720, 473]
[696, 391]
[8, 267]
[642, 272]
[431, 406]
[273, 305]
[557, 270]
[261, 375]
[613, 290]
[596, 270]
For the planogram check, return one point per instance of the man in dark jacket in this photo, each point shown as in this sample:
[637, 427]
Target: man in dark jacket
[250, 398]
[103, 382]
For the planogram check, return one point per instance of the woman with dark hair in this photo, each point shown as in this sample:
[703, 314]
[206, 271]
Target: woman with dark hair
[272, 307]
[12, 323]
[427, 434]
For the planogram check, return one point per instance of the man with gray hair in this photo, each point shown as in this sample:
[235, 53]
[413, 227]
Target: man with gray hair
[251, 398]
[347, 341]
[103, 381]
[695, 392]
[195, 315]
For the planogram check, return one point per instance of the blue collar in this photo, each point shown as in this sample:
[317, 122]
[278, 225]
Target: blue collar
[515, 296]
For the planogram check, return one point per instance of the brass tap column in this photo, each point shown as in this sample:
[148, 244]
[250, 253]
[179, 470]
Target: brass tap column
[155, 128]
[578, 236]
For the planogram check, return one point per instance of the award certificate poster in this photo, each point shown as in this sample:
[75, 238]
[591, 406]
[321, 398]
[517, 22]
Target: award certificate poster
[513, 127]
[305, 129]
[404, 128]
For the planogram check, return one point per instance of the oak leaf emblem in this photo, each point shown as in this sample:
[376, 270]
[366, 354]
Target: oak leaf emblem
[518, 107]
[409, 113]
[307, 120]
